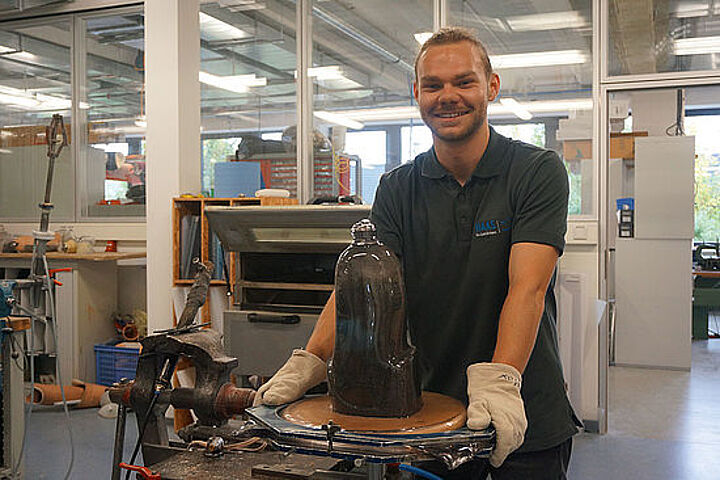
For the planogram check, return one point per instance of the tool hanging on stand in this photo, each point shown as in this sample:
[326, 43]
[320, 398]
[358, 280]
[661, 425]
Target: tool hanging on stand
[42, 283]
[56, 137]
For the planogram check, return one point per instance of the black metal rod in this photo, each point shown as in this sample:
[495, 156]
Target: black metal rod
[119, 441]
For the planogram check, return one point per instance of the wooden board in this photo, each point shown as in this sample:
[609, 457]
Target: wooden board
[439, 413]
[93, 257]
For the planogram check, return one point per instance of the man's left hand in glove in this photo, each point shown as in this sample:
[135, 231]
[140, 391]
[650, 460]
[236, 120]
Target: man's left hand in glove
[494, 397]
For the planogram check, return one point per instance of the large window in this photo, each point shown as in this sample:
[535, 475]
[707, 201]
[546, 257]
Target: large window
[35, 83]
[705, 128]
[101, 174]
[249, 102]
[362, 73]
[112, 148]
[654, 36]
[543, 54]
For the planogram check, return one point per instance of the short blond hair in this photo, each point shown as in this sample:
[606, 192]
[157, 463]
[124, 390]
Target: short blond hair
[448, 35]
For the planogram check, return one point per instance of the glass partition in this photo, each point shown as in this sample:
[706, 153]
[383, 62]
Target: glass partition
[35, 83]
[112, 106]
[247, 76]
[662, 36]
[362, 73]
[543, 55]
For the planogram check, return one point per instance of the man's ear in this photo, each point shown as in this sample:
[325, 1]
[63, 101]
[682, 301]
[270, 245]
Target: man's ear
[415, 90]
[493, 86]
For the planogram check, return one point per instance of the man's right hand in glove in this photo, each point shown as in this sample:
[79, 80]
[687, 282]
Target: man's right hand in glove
[301, 372]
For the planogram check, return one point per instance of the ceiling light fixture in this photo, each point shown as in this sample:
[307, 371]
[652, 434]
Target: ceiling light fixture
[381, 114]
[329, 72]
[339, 119]
[423, 37]
[49, 102]
[23, 55]
[232, 83]
[545, 106]
[518, 110]
[215, 29]
[547, 21]
[561, 107]
[4, 49]
[693, 9]
[18, 100]
[539, 59]
[697, 46]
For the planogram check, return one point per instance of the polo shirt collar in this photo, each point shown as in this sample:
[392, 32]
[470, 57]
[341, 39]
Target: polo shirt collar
[490, 165]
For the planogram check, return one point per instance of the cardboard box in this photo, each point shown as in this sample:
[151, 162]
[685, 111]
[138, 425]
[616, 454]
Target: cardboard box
[622, 145]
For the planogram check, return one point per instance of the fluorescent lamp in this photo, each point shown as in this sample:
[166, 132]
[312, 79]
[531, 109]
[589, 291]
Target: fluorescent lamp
[330, 72]
[18, 100]
[547, 21]
[513, 105]
[4, 49]
[697, 46]
[23, 55]
[692, 9]
[216, 29]
[411, 112]
[381, 114]
[539, 59]
[423, 37]
[49, 102]
[545, 106]
[339, 119]
[233, 83]
[249, 80]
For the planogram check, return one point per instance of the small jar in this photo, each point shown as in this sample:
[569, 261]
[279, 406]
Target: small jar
[66, 235]
[86, 245]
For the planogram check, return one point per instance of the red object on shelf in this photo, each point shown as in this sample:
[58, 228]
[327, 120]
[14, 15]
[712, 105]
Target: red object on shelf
[111, 246]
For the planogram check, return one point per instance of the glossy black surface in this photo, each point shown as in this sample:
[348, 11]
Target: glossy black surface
[371, 372]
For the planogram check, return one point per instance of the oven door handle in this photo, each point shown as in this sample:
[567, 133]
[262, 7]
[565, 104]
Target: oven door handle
[265, 318]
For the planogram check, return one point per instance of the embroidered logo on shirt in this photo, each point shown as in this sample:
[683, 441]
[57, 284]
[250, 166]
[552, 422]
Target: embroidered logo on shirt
[486, 228]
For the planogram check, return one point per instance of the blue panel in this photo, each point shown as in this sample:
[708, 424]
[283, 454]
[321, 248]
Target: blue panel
[234, 178]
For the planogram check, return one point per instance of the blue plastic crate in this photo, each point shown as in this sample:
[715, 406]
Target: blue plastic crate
[115, 363]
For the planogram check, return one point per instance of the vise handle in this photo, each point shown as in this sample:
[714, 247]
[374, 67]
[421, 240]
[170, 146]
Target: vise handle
[144, 472]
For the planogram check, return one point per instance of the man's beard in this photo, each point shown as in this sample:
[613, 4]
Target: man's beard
[479, 116]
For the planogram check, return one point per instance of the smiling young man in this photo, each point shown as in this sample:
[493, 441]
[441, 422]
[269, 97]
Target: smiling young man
[478, 222]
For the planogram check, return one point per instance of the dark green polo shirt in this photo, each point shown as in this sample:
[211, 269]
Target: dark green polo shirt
[454, 242]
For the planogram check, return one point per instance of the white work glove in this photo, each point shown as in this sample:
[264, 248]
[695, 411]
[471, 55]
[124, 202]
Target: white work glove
[494, 397]
[301, 372]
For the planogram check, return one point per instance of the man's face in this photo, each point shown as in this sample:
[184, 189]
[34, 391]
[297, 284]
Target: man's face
[453, 91]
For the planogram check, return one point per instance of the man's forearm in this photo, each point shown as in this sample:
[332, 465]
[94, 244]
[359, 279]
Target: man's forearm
[518, 326]
[322, 340]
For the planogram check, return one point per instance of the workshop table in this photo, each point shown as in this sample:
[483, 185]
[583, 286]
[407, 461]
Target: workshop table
[194, 465]
[85, 301]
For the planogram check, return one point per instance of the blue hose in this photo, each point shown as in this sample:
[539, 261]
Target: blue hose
[418, 471]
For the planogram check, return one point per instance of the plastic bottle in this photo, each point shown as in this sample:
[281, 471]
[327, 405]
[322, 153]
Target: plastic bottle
[371, 372]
